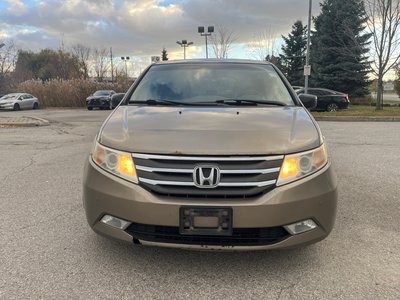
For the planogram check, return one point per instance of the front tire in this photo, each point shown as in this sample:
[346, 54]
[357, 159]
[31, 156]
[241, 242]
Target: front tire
[90, 108]
[35, 105]
[16, 107]
[332, 107]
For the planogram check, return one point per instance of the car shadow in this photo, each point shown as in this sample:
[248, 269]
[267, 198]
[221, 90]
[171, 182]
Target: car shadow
[165, 261]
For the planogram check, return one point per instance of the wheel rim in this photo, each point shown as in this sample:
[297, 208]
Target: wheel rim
[332, 107]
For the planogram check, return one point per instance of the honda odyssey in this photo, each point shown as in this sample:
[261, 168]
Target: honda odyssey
[211, 154]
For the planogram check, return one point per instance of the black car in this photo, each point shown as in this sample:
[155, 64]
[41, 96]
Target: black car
[116, 99]
[100, 99]
[327, 100]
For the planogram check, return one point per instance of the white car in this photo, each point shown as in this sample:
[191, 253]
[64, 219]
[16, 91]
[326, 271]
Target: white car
[17, 101]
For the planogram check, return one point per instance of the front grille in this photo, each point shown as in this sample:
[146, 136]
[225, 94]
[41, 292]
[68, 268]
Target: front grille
[240, 236]
[240, 176]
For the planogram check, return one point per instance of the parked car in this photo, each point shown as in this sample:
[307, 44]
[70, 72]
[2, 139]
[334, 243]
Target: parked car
[100, 99]
[211, 154]
[328, 100]
[116, 99]
[17, 101]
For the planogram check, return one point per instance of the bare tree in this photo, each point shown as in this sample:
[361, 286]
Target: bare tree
[8, 58]
[263, 44]
[83, 53]
[100, 57]
[221, 41]
[384, 24]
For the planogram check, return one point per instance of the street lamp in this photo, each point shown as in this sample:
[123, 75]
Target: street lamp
[125, 59]
[184, 44]
[210, 29]
[307, 67]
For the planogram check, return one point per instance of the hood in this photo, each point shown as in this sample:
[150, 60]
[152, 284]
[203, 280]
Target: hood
[210, 130]
[6, 101]
[98, 98]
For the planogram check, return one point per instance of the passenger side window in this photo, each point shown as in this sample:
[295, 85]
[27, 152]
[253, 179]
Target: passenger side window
[315, 92]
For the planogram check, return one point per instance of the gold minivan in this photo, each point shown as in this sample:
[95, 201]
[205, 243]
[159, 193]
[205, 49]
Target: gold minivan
[211, 154]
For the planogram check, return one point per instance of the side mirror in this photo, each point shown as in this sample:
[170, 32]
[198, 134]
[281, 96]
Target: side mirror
[309, 101]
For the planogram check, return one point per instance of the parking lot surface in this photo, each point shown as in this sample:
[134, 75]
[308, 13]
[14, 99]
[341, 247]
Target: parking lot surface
[48, 250]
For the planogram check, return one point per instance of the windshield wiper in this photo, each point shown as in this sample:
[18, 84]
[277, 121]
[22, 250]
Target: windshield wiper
[248, 101]
[158, 102]
[171, 102]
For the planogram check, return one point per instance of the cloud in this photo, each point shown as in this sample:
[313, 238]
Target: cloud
[16, 7]
[144, 27]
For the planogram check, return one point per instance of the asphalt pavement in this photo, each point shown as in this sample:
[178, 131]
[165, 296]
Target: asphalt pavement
[48, 251]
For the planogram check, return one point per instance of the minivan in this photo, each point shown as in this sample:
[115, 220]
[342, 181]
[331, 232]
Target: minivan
[211, 154]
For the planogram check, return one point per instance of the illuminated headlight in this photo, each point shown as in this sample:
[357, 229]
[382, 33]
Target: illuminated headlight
[299, 165]
[116, 162]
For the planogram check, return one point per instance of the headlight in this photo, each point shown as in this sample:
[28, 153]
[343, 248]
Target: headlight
[296, 166]
[116, 162]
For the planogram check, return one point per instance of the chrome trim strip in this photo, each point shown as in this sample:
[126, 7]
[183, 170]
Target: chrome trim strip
[163, 182]
[226, 184]
[240, 184]
[253, 171]
[207, 158]
[166, 170]
[189, 171]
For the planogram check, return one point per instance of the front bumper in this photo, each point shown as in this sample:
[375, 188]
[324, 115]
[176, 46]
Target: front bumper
[7, 106]
[313, 197]
[98, 103]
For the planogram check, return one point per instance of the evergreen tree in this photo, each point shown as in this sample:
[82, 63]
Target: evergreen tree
[164, 54]
[276, 60]
[339, 48]
[294, 50]
[397, 80]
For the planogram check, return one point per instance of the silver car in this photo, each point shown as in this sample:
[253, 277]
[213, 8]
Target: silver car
[17, 101]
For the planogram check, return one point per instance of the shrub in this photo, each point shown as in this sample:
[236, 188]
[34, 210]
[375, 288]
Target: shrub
[66, 93]
[361, 101]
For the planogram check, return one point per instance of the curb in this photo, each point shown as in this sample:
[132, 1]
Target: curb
[34, 123]
[44, 121]
[359, 119]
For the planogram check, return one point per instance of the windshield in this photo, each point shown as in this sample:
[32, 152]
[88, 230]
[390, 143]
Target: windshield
[102, 93]
[9, 97]
[212, 83]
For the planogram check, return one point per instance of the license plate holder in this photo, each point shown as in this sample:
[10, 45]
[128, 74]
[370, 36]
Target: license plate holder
[205, 220]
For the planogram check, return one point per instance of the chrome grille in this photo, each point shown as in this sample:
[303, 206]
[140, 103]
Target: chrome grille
[241, 176]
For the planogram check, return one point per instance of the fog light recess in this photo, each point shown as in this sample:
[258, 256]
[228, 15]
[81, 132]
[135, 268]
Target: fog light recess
[300, 227]
[115, 222]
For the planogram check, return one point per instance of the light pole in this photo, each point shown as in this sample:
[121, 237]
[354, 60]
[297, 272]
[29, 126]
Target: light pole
[184, 44]
[210, 29]
[307, 67]
[125, 59]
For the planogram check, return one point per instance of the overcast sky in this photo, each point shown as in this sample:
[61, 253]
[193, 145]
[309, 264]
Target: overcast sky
[141, 28]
